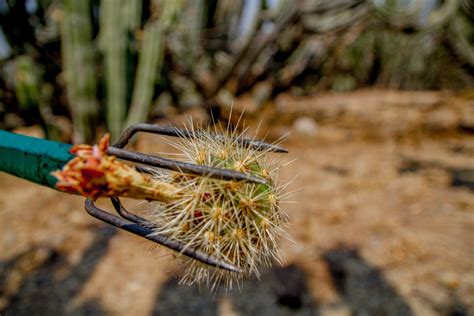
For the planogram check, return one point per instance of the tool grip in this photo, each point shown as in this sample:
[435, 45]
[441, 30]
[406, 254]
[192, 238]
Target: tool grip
[32, 158]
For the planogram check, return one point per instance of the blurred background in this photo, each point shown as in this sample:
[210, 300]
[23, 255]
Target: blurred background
[375, 99]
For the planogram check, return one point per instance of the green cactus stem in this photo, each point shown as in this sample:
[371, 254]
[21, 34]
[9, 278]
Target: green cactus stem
[113, 44]
[149, 65]
[79, 67]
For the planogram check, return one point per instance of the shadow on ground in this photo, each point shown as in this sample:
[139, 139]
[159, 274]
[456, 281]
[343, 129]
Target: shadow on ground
[362, 286]
[29, 284]
[283, 291]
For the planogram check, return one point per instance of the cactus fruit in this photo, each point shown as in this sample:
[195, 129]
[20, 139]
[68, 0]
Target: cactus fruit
[234, 221]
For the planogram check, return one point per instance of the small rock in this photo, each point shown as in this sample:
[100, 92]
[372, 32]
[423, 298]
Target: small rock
[449, 280]
[305, 126]
[335, 310]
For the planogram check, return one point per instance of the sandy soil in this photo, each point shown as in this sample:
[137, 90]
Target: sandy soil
[382, 226]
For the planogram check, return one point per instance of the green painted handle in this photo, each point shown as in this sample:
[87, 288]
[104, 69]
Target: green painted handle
[32, 158]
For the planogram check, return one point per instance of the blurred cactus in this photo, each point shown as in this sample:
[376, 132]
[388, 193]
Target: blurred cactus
[26, 82]
[420, 14]
[195, 25]
[132, 15]
[79, 66]
[151, 58]
[149, 64]
[461, 34]
[218, 50]
[113, 45]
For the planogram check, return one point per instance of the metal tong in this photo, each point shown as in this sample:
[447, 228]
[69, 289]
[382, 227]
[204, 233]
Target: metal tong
[144, 228]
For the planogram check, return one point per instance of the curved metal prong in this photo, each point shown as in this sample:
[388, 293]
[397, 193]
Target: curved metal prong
[184, 167]
[148, 233]
[122, 211]
[177, 132]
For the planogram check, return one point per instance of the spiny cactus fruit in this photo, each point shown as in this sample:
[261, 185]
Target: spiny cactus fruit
[237, 222]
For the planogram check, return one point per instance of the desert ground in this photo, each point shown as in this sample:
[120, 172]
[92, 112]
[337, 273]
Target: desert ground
[382, 221]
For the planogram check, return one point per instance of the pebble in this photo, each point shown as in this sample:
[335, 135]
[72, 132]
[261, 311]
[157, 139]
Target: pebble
[305, 126]
[335, 310]
[449, 280]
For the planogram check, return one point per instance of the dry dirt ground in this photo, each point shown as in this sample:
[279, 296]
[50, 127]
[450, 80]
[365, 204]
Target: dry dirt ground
[383, 223]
